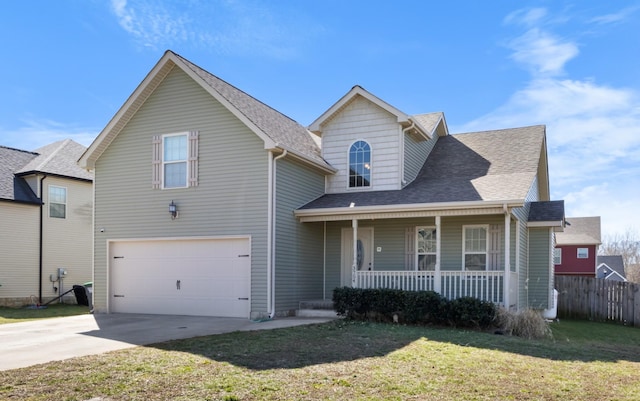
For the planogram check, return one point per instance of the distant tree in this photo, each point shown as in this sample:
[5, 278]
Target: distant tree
[628, 246]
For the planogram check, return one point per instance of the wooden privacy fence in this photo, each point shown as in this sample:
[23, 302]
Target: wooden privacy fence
[598, 299]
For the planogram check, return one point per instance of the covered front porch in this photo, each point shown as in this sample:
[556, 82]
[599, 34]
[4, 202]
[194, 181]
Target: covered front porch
[456, 252]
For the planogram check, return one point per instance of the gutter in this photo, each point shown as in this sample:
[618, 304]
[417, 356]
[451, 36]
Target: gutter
[341, 211]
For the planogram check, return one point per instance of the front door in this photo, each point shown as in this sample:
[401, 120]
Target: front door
[365, 252]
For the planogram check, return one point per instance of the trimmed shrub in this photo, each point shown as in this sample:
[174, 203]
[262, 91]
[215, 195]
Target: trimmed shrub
[472, 312]
[412, 307]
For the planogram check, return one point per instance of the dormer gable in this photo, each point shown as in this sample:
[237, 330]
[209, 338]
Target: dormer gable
[363, 137]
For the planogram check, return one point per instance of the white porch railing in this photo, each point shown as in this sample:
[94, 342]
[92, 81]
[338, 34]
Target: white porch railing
[484, 285]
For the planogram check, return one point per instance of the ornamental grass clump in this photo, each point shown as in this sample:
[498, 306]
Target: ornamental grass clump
[527, 323]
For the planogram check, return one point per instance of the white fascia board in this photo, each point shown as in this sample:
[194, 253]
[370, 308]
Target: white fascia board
[315, 126]
[554, 223]
[391, 211]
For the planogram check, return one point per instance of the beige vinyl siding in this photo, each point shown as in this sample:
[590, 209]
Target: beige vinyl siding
[231, 198]
[416, 151]
[68, 242]
[361, 119]
[19, 246]
[540, 261]
[299, 251]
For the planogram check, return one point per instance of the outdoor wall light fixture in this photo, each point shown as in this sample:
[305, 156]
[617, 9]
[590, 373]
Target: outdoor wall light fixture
[173, 210]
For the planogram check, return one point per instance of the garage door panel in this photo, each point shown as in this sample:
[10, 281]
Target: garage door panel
[192, 277]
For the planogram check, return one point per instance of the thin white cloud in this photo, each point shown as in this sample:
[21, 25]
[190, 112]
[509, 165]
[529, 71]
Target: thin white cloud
[612, 18]
[592, 129]
[37, 133]
[227, 27]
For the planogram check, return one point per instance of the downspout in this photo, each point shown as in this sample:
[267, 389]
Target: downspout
[41, 189]
[401, 151]
[271, 276]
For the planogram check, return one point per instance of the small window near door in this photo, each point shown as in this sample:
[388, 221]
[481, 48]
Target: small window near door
[57, 202]
[557, 256]
[583, 253]
[426, 248]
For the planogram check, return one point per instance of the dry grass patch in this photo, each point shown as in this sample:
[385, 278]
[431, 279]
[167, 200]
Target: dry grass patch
[346, 360]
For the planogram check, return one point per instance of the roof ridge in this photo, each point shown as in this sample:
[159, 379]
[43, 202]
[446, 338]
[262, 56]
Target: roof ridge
[190, 63]
[19, 150]
[47, 159]
[500, 129]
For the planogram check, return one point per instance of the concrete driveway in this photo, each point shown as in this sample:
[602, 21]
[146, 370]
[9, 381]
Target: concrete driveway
[30, 343]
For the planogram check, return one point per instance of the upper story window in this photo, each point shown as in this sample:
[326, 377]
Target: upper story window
[475, 247]
[57, 202]
[583, 253]
[360, 165]
[175, 160]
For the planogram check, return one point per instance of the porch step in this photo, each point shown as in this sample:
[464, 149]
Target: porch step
[316, 308]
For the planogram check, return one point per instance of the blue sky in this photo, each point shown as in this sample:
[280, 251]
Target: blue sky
[573, 66]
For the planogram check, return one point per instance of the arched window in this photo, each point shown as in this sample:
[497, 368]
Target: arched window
[359, 165]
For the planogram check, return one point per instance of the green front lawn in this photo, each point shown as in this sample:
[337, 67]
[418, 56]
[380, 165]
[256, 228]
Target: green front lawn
[352, 361]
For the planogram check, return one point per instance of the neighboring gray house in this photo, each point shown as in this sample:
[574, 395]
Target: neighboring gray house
[46, 213]
[209, 202]
[610, 267]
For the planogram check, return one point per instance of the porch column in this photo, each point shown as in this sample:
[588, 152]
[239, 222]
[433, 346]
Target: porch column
[507, 259]
[437, 284]
[354, 265]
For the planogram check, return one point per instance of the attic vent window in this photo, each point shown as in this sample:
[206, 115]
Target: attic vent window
[359, 165]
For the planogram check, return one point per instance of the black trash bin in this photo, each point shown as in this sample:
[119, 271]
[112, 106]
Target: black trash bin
[81, 295]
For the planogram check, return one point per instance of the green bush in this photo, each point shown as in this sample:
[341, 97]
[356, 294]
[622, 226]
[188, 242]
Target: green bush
[412, 307]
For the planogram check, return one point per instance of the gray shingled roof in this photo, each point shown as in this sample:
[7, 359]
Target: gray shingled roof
[546, 211]
[614, 262]
[281, 129]
[580, 231]
[429, 120]
[480, 166]
[11, 187]
[59, 158]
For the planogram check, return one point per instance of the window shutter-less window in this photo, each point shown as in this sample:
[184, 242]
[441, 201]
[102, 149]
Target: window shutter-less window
[156, 162]
[193, 158]
[409, 248]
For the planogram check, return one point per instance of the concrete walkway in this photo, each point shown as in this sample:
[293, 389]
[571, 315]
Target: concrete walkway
[35, 342]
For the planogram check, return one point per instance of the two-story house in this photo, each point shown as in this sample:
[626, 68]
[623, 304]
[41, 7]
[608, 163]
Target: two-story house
[209, 202]
[46, 212]
[576, 247]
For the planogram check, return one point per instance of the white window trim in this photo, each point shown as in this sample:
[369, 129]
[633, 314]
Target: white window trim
[66, 200]
[350, 188]
[417, 256]
[557, 253]
[464, 245]
[185, 161]
[581, 257]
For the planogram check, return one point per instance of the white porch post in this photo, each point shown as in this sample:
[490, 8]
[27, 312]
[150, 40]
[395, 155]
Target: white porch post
[437, 285]
[507, 259]
[354, 265]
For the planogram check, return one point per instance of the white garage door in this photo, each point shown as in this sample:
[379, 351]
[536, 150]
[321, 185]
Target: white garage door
[200, 277]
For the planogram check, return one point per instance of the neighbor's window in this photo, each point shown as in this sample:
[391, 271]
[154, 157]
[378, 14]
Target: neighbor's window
[426, 248]
[174, 161]
[557, 256]
[57, 202]
[475, 247]
[583, 253]
[359, 165]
